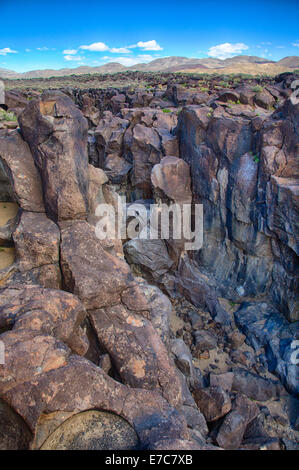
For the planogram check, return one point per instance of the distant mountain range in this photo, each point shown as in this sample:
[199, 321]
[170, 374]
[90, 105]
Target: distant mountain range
[241, 63]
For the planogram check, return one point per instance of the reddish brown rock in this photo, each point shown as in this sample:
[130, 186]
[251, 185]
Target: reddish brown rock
[15, 101]
[117, 168]
[14, 433]
[80, 386]
[109, 136]
[264, 99]
[232, 429]
[97, 178]
[93, 430]
[149, 300]
[36, 240]
[146, 152]
[21, 172]
[172, 177]
[137, 351]
[165, 121]
[149, 256]
[28, 354]
[56, 132]
[213, 402]
[40, 378]
[96, 276]
[224, 380]
[246, 94]
[89, 109]
[49, 311]
[229, 96]
[48, 276]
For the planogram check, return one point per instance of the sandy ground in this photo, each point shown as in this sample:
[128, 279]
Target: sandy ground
[7, 257]
[8, 210]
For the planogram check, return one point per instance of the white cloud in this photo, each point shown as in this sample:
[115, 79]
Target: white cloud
[95, 47]
[101, 47]
[129, 61]
[119, 50]
[126, 61]
[145, 57]
[75, 58]
[148, 45]
[296, 44]
[70, 51]
[226, 50]
[45, 48]
[7, 50]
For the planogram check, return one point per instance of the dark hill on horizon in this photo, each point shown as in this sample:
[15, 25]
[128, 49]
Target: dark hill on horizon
[241, 64]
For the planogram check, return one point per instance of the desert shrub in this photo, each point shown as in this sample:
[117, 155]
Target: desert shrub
[255, 157]
[223, 83]
[7, 116]
[257, 89]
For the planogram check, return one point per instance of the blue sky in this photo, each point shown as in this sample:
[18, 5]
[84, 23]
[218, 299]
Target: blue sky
[64, 33]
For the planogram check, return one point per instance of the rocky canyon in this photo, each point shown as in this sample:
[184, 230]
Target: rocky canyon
[140, 343]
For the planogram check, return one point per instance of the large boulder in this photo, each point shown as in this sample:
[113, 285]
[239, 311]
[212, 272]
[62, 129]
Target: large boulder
[81, 386]
[37, 240]
[117, 168]
[14, 433]
[213, 402]
[243, 170]
[264, 99]
[149, 298]
[172, 177]
[254, 386]
[93, 430]
[109, 136]
[56, 133]
[196, 288]
[146, 152]
[21, 175]
[148, 256]
[233, 427]
[43, 311]
[137, 351]
[93, 274]
[265, 327]
[45, 383]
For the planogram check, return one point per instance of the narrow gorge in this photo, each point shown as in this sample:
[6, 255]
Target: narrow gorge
[141, 343]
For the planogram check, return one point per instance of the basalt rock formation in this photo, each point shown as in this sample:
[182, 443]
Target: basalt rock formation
[146, 340]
